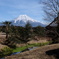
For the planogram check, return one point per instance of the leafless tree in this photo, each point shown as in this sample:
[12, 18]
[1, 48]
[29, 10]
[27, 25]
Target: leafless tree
[51, 8]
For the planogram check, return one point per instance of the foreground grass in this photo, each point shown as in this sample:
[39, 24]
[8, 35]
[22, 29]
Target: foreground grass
[7, 51]
[19, 49]
[44, 52]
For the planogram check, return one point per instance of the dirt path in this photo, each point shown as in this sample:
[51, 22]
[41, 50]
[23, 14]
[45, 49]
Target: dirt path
[44, 52]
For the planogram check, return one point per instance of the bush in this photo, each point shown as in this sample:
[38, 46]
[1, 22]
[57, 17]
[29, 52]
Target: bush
[6, 51]
[39, 31]
[13, 46]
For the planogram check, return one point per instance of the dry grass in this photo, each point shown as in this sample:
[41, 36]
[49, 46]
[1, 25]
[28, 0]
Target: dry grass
[39, 53]
[37, 41]
[2, 46]
[2, 37]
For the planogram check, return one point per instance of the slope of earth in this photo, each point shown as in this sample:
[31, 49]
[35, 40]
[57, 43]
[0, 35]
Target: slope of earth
[44, 52]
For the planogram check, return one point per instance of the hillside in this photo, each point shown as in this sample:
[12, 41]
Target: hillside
[44, 52]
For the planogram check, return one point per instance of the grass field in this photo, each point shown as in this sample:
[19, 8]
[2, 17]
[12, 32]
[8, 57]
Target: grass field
[43, 52]
[30, 45]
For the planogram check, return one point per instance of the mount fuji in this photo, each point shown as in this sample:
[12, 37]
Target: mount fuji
[23, 19]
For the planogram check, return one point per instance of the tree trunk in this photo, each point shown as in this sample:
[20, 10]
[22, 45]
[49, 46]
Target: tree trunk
[6, 35]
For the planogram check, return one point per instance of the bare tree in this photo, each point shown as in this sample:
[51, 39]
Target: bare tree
[51, 8]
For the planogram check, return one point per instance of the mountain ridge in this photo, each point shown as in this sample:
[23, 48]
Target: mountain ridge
[23, 19]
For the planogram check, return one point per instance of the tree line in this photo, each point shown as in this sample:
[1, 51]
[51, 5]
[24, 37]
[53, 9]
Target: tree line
[18, 34]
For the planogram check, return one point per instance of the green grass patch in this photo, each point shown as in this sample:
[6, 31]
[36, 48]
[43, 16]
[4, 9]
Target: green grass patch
[30, 45]
[19, 49]
[7, 51]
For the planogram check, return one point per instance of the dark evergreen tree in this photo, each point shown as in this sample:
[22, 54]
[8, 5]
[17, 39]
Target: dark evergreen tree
[7, 26]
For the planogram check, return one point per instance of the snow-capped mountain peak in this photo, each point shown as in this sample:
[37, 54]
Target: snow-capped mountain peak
[23, 19]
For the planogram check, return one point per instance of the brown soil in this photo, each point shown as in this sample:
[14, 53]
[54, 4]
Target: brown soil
[44, 52]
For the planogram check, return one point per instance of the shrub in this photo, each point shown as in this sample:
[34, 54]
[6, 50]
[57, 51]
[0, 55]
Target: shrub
[13, 46]
[6, 51]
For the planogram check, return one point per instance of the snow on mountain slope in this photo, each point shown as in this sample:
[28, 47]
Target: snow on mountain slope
[23, 19]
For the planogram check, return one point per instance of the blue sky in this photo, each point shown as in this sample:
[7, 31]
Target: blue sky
[10, 9]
